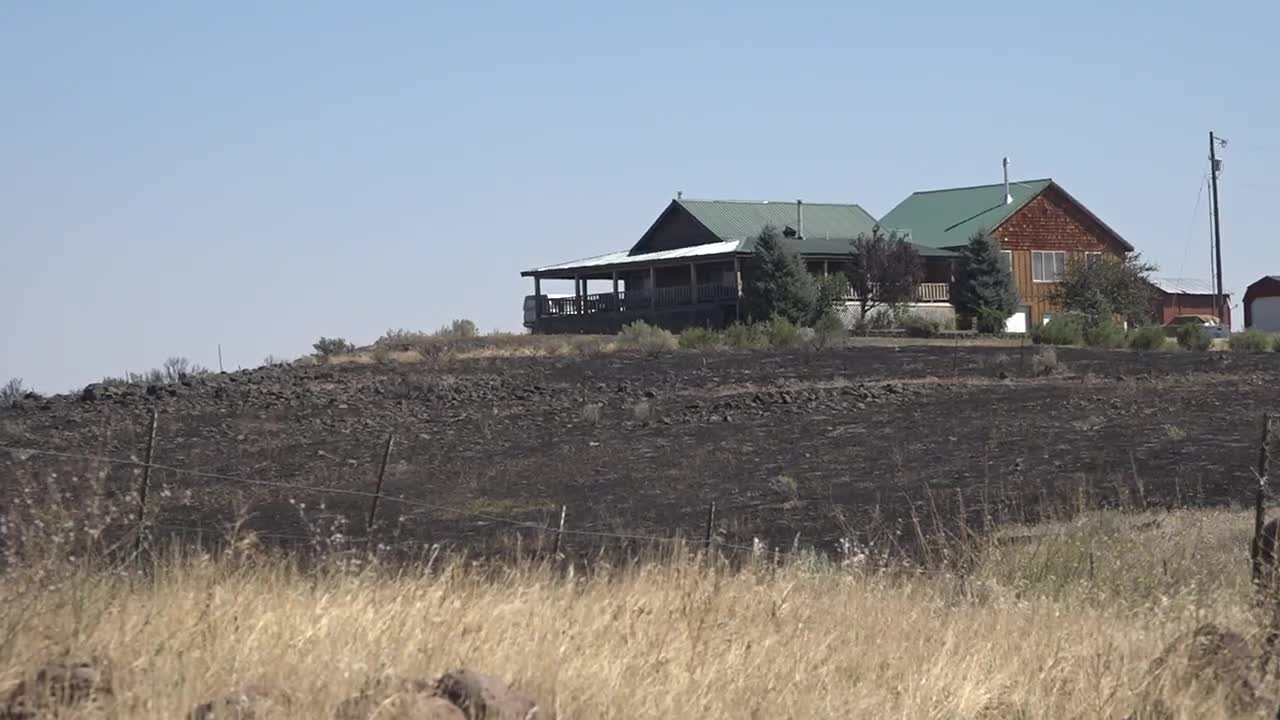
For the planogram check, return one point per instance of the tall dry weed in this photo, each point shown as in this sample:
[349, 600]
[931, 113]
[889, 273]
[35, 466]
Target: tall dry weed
[1061, 622]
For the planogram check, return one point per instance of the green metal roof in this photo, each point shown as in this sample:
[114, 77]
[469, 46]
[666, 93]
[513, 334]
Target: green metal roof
[948, 218]
[814, 246]
[734, 220]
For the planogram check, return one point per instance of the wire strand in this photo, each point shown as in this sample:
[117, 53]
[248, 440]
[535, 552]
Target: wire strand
[522, 524]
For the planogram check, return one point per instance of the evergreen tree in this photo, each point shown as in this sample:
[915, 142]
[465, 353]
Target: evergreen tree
[778, 285]
[985, 289]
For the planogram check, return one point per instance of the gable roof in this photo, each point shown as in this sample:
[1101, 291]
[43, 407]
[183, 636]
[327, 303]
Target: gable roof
[949, 217]
[737, 220]
[1257, 285]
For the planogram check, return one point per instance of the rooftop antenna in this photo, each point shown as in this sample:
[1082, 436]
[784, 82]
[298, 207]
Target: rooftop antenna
[799, 219]
[679, 194]
[1008, 199]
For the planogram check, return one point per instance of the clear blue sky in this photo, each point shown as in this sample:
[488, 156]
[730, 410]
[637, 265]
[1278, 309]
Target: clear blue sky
[261, 174]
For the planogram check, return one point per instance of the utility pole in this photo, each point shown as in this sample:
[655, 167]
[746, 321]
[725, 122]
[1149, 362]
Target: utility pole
[1219, 298]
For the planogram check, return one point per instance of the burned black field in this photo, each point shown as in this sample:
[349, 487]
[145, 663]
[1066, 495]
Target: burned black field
[879, 444]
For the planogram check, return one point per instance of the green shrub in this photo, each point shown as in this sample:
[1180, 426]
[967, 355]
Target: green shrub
[1277, 343]
[1251, 341]
[1148, 337]
[782, 332]
[918, 325]
[640, 335]
[829, 330]
[463, 328]
[1194, 337]
[746, 337]
[328, 347]
[1064, 329]
[990, 321]
[697, 338]
[1104, 334]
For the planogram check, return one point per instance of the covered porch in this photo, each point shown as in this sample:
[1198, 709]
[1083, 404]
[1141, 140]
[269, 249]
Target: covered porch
[699, 286]
[695, 285]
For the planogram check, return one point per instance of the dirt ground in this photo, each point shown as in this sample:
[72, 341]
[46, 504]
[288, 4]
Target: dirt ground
[796, 447]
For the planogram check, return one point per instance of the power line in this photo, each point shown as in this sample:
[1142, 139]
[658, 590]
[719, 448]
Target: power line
[1191, 228]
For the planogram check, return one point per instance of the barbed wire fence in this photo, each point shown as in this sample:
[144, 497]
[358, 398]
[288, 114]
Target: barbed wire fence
[146, 523]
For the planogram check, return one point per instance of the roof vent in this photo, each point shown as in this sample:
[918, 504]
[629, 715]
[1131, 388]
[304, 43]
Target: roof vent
[1008, 199]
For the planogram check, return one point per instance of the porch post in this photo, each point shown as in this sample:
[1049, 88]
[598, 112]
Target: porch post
[693, 284]
[537, 300]
[737, 282]
[824, 267]
[577, 294]
[653, 288]
[615, 285]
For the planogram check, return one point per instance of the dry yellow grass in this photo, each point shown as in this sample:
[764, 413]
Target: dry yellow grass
[1034, 629]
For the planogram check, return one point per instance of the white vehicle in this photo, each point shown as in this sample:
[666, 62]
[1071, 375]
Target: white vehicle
[530, 309]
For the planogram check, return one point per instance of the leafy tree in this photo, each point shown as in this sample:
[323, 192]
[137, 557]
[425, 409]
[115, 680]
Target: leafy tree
[883, 269]
[1108, 288]
[778, 284]
[985, 288]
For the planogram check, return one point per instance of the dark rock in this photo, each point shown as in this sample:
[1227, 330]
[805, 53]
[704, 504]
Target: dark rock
[81, 686]
[483, 697]
[252, 702]
[96, 392]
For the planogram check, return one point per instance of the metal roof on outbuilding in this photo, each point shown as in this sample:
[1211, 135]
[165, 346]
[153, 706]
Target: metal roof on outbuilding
[1183, 286]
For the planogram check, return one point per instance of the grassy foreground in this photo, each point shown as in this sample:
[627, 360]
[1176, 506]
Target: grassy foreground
[1062, 624]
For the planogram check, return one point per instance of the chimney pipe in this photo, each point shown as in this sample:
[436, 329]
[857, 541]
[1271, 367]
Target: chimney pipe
[799, 219]
[1008, 199]
[679, 194]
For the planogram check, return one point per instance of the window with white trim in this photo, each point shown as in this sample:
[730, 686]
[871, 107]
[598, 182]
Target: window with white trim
[1047, 265]
[1008, 259]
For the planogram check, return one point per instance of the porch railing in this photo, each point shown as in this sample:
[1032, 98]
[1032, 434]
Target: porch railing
[638, 300]
[925, 292]
[684, 295]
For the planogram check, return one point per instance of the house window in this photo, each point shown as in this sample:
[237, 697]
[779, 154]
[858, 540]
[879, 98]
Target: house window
[1047, 266]
[1092, 258]
[1008, 259]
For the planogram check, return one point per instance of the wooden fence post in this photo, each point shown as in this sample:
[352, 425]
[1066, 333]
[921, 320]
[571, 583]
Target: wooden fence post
[146, 483]
[555, 551]
[382, 472]
[1259, 504]
[711, 521]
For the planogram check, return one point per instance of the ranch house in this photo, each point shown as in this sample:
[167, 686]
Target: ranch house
[1038, 224]
[687, 269]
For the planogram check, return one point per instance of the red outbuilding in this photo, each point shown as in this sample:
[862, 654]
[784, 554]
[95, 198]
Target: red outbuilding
[1262, 304]
[1188, 296]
